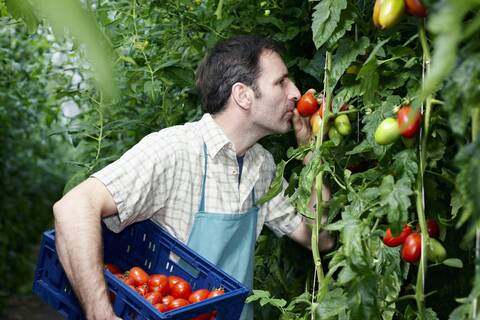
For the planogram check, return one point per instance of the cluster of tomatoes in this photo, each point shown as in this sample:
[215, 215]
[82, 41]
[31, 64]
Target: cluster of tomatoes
[411, 242]
[406, 125]
[387, 13]
[164, 292]
[309, 106]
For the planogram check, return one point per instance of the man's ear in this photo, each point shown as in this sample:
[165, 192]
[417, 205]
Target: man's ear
[242, 95]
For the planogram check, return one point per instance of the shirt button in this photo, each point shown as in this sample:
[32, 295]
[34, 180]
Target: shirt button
[234, 171]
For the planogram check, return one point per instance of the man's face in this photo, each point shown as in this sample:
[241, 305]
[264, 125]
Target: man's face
[273, 109]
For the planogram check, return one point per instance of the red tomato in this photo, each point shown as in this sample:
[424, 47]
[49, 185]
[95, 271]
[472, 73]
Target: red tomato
[307, 104]
[412, 248]
[127, 280]
[113, 268]
[172, 280]
[198, 295]
[216, 293]
[138, 275]
[153, 297]
[142, 290]
[415, 8]
[432, 228]
[392, 241]
[177, 303]
[404, 115]
[167, 299]
[158, 282]
[181, 289]
[161, 307]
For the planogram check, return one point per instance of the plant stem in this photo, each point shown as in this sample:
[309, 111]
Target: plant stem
[420, 195]
[475, 134]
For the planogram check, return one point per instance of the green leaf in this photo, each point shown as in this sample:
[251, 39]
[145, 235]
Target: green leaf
[334, 304]
[396, 197]
[345, 55]
[276, 186]
[453, 262]
[326, 17]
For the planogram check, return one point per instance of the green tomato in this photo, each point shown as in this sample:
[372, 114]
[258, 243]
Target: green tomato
[436, 252]
[334, 136]
[387, 132]
[342, 124]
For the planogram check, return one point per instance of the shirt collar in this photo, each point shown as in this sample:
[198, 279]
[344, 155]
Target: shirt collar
[213, 135]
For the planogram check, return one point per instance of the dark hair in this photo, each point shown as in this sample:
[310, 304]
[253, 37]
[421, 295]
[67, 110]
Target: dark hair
[230, 61]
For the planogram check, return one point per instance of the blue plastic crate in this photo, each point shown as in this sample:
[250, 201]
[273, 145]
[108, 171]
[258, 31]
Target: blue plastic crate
[147, 245]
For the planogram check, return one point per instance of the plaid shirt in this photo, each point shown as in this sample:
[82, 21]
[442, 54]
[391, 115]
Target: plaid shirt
[160, 178]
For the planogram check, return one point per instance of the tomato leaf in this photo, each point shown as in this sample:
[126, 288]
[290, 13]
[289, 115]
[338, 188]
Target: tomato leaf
[276, 185]
[345, 55]
[396, 197]
[453, 262]
[326, 17]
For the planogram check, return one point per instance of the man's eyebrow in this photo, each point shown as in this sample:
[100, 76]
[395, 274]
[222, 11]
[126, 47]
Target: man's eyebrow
[280, 78]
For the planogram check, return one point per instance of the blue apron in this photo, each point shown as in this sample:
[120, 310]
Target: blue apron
[231, 240]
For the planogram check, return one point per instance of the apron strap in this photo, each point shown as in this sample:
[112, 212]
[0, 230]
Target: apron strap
[201, 207]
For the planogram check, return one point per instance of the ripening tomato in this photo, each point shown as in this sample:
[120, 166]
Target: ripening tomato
[432, 228]
[388, 13]
[161, 307]
[158, 282]
[307, 104]
[408, 122]
[181, 289]
[412, 248]
[216, 293]
[392, 241]
[316, 123]
[198, 295]
[113, 268]
[415, 8]
[138, 275]
[387, 131]
[153, 297]
[177, 303]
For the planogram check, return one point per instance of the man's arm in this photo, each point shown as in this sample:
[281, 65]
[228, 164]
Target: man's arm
[80, 246]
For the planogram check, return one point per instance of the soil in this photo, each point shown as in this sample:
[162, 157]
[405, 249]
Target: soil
[28, 307]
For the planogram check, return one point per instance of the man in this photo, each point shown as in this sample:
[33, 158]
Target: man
[197, 180]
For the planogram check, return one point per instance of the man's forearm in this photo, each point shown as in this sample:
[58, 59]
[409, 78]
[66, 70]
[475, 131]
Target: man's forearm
[80, 249]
